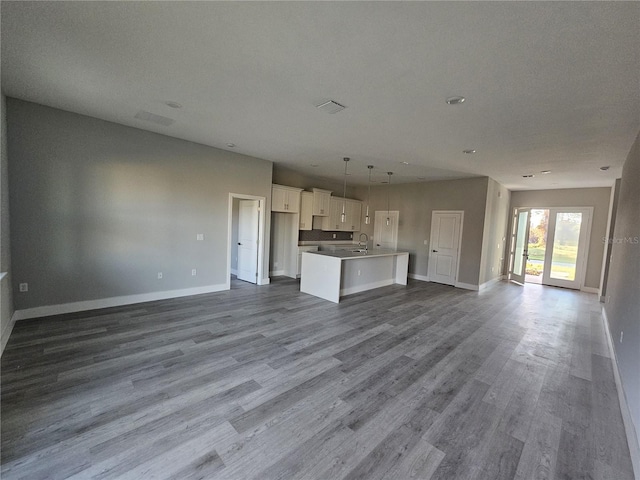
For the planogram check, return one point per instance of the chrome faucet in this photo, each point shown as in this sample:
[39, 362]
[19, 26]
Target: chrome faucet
[366, 241]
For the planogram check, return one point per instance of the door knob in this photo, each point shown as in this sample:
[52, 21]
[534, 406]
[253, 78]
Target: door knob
[434, 251]
[239, 243]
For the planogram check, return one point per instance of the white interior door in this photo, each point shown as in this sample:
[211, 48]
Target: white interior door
[567, 244]
[248, 222]
[444, 255]
[519, 245]
[386, 235]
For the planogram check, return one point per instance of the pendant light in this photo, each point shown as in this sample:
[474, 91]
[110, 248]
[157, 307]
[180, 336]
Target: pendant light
[367, 218]
[343, 217]
[388, 212]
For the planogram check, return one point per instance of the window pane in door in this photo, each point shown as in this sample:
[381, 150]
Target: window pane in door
[565, 246]
[518, 264]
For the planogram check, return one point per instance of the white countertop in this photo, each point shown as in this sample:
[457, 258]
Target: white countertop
[349, 255]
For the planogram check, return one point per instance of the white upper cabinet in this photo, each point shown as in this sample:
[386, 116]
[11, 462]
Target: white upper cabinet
[306, 211]
[352, 210]
[285, 199]
[321, 202]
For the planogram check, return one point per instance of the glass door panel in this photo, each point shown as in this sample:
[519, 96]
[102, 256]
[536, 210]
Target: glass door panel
[519, 243]
[537, 244]
[566, 250]
[565, 246]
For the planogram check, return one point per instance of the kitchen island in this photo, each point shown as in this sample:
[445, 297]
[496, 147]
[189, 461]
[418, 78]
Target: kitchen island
[331, 275]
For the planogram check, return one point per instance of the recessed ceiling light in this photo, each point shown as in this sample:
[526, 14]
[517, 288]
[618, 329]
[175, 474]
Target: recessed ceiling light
[605, 168]
[528, 176]
[231, 145]
[455, 100]
[173, 104]
[545, 172]
[470, 151]
[405, 163]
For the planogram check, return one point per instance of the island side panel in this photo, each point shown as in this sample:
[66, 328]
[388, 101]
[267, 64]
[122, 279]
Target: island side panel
[366, 273]
[320, 276]
[401, 268]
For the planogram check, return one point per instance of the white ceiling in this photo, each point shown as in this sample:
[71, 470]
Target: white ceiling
[549, 85]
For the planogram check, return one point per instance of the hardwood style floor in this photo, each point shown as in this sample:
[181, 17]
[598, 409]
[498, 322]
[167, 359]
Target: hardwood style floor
[417, 382]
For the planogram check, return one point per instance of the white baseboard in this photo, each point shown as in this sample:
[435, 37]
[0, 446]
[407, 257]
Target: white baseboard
[113, 302]
[366, 286]
[632, 435]
[466, 286]
[590, 290]
[265, 281]
[234, 271]
[422, 278]
[491, 282]
[276, 273]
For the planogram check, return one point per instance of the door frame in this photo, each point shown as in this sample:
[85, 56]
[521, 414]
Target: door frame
[262, 201]
[587, 241]
[461, 212]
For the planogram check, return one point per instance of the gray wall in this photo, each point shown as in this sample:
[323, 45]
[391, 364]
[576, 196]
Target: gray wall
[598, 198]
[416, 201]
[6, 297]
[98, 209]
[495, 232]
[623, 310]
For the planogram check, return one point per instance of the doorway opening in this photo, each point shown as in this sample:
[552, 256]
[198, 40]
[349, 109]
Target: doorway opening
[549, 246]
[245, 251]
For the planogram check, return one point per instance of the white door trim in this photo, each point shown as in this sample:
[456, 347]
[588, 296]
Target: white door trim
[461, 212]
[262, 201]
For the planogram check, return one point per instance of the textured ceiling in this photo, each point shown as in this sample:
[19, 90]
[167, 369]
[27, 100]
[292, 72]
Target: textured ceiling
[549, 85]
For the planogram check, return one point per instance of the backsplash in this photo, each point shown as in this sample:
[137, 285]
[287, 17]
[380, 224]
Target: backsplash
[321, 235]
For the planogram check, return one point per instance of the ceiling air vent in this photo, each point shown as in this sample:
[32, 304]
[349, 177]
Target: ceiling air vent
[153, 118]
[330, 107]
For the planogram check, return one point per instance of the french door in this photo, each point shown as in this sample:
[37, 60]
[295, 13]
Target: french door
[549, 246]
[566, 253]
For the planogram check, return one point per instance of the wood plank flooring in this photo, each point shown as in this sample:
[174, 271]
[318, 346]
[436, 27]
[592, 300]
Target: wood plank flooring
[418, 382]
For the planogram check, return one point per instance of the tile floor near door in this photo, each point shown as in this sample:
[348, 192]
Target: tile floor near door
[417, 382]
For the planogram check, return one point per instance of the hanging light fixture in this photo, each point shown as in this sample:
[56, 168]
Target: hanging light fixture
[343, 217]
[388, 212]
[367, 218]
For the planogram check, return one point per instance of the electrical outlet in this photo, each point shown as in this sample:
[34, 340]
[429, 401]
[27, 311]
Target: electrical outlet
[334, 235]
[358, 272]
[200, 237]
[621, 335]
[426, 242]
[24, 287]
[194, 272]
[159, 275]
